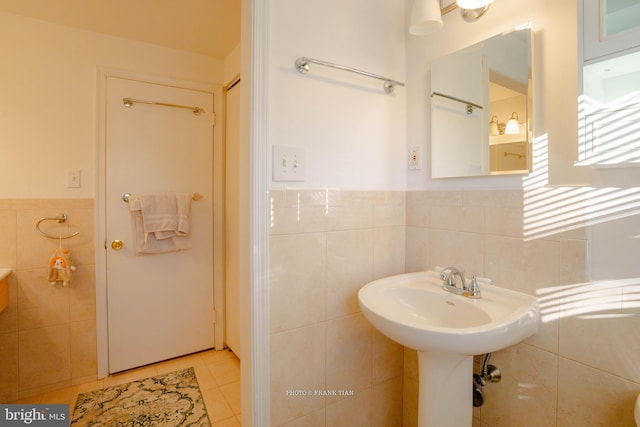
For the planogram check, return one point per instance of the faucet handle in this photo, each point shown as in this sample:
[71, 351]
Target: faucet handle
[473, 290]
[447, 275]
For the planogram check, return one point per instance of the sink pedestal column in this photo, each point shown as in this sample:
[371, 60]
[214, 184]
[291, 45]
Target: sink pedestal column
[445, 397]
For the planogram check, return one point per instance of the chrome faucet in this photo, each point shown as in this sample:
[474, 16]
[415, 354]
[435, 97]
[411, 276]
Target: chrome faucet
[448, 276]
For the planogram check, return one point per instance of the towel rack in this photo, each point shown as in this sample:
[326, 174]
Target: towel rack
[60, 218]
[469, 104]
[128, 102]
[195, 197]
[302, 65]
[506, 153]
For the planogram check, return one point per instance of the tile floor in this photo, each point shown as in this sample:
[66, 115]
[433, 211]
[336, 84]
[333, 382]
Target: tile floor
[218, 374]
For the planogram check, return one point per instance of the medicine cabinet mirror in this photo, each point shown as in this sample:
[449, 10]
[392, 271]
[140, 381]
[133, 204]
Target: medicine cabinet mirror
[481, 108]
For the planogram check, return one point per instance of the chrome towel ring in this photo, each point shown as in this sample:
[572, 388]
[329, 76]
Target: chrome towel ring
[60, 218]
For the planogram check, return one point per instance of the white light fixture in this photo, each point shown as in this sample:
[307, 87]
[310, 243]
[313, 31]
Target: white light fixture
[473, 4]
[426, 17]
[493, 126]
[513, 127]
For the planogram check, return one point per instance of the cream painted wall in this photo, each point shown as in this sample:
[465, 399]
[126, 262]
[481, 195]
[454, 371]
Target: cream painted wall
[232, 65]
[48, 102]
[352, 132]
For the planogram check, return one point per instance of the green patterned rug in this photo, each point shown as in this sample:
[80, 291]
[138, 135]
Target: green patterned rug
[167, 400]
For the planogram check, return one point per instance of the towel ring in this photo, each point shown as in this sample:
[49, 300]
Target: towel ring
[62, 217]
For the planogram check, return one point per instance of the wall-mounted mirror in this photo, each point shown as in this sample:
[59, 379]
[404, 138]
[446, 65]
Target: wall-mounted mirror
[481, 108]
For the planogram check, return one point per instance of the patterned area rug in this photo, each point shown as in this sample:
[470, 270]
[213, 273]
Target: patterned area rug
[167, 400]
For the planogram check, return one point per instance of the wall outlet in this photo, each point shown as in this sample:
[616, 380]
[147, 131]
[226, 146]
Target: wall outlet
[288, 164]
[415, 157]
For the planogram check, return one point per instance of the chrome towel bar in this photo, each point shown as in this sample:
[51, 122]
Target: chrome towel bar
[470, 105]
[302, 65]
[128, 102]
[195, 197]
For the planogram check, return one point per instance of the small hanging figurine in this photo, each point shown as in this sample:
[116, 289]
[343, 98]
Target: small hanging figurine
[60, 267]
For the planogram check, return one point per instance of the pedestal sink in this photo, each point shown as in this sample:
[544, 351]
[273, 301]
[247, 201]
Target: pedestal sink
[447, 330]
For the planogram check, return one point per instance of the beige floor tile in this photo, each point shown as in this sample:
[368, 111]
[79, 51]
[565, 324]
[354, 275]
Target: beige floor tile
[226, 370]
[227, 422]
[66, 395]
[204, 377]
[130, 375]
[217, 406]
[217, 372]
[214, 356]
[90, 386]
[190, 361]
[231, 392]
[37, 399]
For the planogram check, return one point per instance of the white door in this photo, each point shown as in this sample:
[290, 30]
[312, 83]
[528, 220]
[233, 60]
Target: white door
[232, 220]
[159, 306]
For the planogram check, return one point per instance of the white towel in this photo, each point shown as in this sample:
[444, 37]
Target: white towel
[161, 222]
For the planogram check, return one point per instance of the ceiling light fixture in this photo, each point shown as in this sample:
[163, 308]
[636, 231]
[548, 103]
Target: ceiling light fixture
[426, 17]
[473, 4]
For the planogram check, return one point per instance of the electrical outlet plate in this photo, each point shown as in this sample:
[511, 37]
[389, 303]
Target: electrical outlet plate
[288, 164]
[415, 157]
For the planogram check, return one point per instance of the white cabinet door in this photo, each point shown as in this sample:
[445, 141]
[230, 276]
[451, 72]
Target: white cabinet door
[610, 27]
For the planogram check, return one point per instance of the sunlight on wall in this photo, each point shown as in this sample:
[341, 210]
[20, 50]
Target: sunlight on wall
[609, 132]
[526, 391]
[552, 210]
[598, 299]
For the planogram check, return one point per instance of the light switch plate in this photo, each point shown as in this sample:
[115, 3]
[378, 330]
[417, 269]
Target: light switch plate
[288, 164]
[73, 178]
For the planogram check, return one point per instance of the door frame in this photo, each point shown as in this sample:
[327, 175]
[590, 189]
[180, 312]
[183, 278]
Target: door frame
[100, 206]
[222, 182]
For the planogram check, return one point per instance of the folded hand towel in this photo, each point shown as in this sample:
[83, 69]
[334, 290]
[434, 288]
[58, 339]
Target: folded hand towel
[161, 222]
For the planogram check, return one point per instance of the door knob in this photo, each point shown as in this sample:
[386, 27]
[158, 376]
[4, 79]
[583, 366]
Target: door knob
[116, 245]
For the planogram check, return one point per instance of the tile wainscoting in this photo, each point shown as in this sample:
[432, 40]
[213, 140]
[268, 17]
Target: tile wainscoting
[581, 369]
[326, 244]
[48, 332]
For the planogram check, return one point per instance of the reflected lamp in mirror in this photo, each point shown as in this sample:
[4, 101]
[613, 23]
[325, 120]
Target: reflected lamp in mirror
[513, 127]
[495, 127]
[426, 17]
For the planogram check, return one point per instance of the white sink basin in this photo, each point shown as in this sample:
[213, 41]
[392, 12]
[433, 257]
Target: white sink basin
[413, 310]
[447, 330]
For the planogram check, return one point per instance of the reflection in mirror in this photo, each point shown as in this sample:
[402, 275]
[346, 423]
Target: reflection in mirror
[609, 113]
[481, 104]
